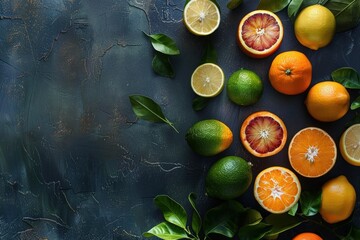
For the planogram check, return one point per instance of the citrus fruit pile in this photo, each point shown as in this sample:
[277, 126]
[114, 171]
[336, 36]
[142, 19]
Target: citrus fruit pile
[311, 151]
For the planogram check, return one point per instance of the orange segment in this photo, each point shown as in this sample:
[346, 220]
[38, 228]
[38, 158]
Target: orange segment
[312, 152]
[277, 189]
[263, 134]
[260, 33]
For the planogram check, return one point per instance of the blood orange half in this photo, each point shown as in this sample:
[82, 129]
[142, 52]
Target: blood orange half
[260, 33]
[263, 134]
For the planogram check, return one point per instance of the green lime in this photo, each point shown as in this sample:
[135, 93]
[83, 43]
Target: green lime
[244, 87]
[228, 178]
[209, 137]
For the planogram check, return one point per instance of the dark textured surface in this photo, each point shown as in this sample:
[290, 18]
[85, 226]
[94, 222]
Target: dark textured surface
[74, 161]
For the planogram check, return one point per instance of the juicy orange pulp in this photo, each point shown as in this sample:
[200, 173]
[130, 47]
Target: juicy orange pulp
[312, 152]
[277, 189]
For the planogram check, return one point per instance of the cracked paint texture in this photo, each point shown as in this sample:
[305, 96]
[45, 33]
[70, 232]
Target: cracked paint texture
[75, 163]
[73, 158]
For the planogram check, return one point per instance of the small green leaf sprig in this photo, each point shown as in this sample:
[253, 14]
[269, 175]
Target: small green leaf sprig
[346, 12]
[147, 109]
[164, 47]
[229, 219]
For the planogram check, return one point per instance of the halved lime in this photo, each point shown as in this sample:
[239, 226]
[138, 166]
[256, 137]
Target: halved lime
[208, 80]
[201, 17]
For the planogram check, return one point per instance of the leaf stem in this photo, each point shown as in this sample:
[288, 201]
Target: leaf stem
[172, 125]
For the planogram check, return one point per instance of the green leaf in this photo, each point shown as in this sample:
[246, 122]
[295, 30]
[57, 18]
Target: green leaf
[166, 231]
[347, 76]
[303, 4]
[273, 6]
[254, 232]
[163, 44]
[307, 3]
[281, 223]
[252, 217]
[173, 212]
[232, 4]
[294, 8]
[310, 202]
[199, 103]
[354, 234]
[347, 13]
[223, 219]
[196, 219]
[162, 66]
[210, 55]
[355, 104]
[145, 108]
[293, 209]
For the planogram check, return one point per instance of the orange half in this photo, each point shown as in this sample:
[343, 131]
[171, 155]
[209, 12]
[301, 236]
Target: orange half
[312, 152]
[277, 189]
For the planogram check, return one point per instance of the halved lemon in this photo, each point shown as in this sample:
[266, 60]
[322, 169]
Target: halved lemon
[350, 145]
[207, 80]
[201, 17]
[260, 33]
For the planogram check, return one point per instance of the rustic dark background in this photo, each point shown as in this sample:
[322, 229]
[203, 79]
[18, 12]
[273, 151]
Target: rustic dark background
[75, 163]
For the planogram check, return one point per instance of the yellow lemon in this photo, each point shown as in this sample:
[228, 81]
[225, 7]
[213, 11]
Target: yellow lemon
[315, 26]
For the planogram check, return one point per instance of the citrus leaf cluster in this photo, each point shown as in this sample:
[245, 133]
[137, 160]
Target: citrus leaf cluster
[164, 47]
[229, 219]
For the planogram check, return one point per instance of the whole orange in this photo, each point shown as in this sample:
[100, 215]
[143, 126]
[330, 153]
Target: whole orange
[327, 101]
[290, 72]
[307, 236]
[338, 199]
